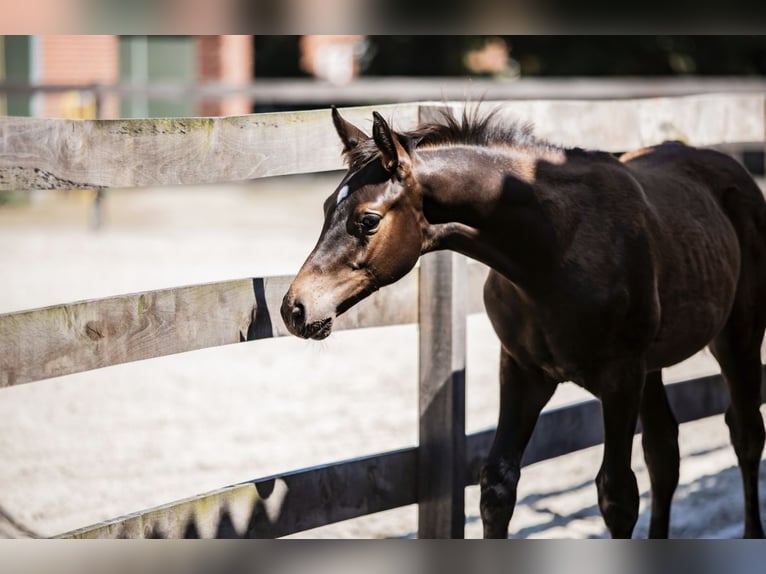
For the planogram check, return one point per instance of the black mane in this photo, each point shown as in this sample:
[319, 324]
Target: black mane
[472, 128]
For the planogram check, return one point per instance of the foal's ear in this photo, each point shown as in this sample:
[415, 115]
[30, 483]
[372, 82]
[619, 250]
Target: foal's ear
[394, 154]
[349, 134]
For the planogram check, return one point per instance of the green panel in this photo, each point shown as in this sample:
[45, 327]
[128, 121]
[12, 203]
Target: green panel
[126, 61]
[171, 59]
[160, 59]
[133, 70]
[17, 60]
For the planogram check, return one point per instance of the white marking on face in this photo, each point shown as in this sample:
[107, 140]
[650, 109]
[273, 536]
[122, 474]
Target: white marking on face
[342, 194]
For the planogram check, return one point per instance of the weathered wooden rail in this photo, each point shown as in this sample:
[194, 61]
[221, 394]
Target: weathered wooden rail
[75, 337]
[392, 89]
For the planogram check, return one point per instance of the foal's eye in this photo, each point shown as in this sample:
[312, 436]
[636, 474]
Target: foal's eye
[370, 221]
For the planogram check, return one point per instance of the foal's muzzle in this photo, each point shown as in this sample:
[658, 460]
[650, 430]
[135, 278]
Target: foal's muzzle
[294, 315]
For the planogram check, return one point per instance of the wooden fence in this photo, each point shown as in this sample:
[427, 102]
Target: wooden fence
[286, 92]
[76, 337]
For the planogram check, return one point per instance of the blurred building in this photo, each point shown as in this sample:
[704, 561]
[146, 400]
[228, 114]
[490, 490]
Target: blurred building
[75, 60]
[131, 60]
[225, 60]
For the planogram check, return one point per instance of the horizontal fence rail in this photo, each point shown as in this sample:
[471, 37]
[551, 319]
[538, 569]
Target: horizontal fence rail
[75, 337]
[70, 154]
[622, 125]
[297, 501]
[38, 153]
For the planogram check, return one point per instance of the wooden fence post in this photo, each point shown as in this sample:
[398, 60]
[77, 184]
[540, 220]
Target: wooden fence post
[441, 450]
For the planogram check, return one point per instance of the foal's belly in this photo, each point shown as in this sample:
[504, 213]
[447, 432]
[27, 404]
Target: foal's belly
[679, 342]
[694, 290]
[697, 269]
[695, 305]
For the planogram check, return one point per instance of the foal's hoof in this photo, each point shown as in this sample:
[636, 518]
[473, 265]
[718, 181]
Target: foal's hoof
[498, 499]
[495, 534]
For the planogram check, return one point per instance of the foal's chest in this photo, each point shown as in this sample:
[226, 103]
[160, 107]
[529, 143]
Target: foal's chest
[564, 339]
[522, 330]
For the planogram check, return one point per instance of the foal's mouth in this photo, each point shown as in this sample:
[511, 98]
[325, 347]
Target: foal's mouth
[356, 297]
[317, 330]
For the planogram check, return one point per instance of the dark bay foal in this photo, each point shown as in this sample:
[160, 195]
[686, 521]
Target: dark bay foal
[603, 271]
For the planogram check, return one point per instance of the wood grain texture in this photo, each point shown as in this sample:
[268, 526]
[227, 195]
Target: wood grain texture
[38, 153]
[66, 154]
[65, 339]
[276, 506]
[622, 125]
[75, 337]
[441, 454]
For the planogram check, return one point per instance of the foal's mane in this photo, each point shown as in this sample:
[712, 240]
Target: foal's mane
[472, 129]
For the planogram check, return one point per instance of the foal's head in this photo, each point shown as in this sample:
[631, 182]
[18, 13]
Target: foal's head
[372, 234]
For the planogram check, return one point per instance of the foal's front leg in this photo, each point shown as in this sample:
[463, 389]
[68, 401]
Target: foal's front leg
[523, 394]
[619, 389]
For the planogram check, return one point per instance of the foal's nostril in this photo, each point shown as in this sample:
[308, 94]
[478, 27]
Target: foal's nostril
[298, 313]
[293, 313]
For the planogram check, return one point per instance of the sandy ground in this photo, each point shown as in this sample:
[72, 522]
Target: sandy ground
[84, 448]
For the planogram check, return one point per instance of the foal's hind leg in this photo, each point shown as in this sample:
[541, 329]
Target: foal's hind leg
[523, 394]
[742, 370]
[737, 346]
[660, 441]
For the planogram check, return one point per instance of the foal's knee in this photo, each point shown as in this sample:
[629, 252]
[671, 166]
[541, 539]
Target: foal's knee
[499, 481]
[618, 502]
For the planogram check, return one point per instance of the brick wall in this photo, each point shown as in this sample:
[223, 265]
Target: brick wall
[225, 60]
[67, 59]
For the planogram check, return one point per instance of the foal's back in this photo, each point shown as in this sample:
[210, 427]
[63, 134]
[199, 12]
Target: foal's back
[664, 167]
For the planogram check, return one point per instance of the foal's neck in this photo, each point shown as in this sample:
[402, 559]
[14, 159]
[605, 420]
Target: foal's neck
[484, 202]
